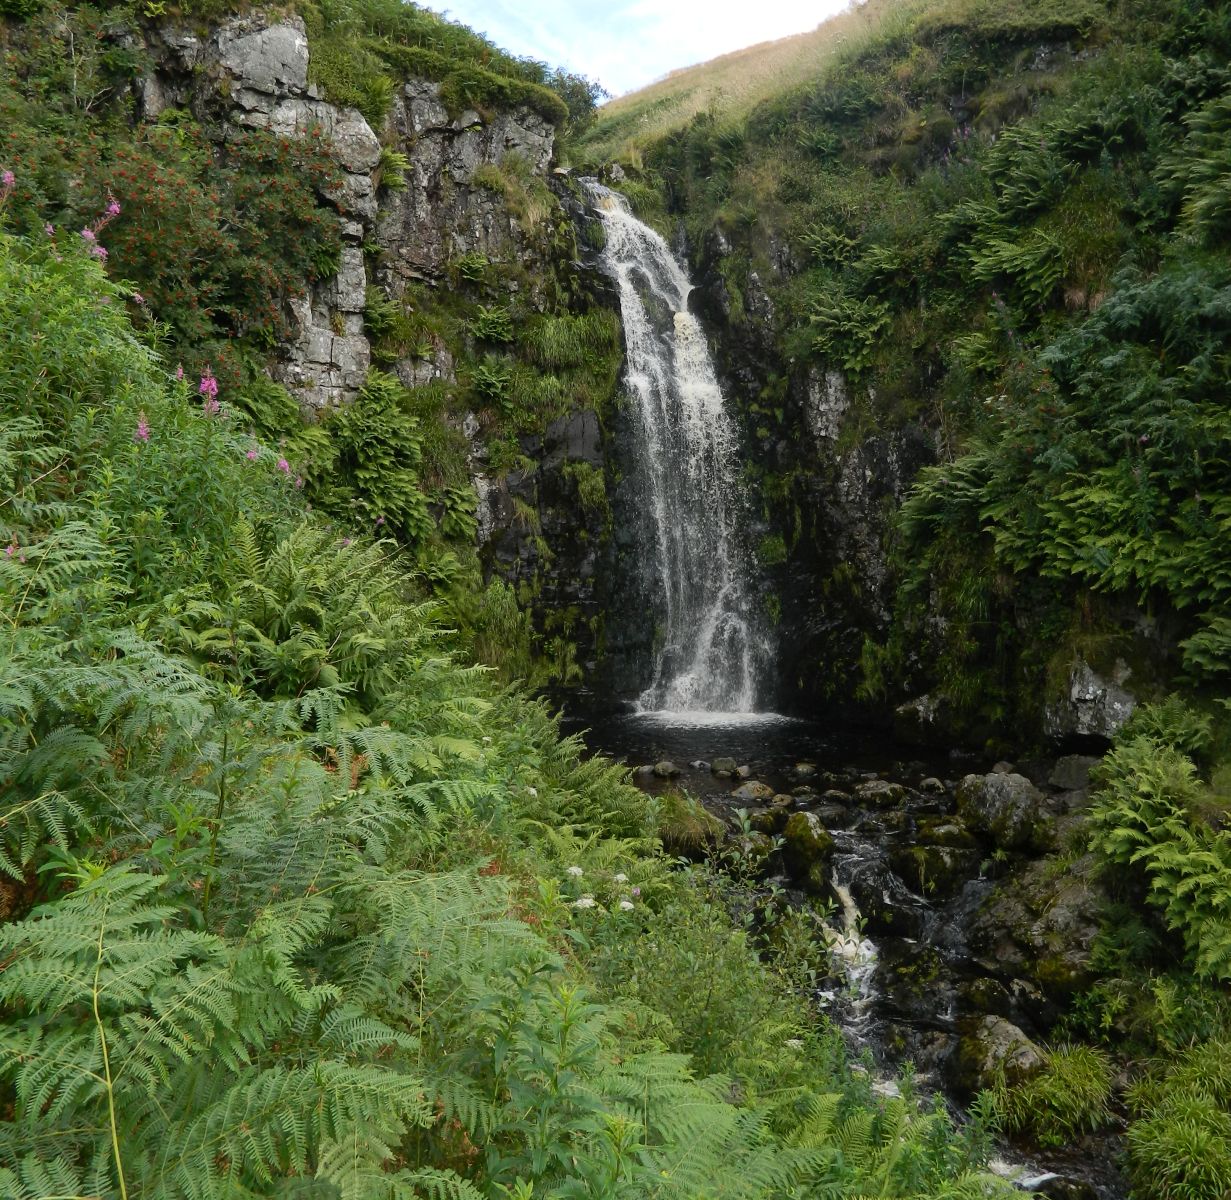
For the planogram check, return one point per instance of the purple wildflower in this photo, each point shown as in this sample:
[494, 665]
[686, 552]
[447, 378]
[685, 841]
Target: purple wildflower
[346, 541]
[299, 481]
[252, 454]
[636, 892]
[49, 229]
[7, 180]
[87, 234]
[138, 298]
[113, 209]
[143, 429]
[379, 522]
[179, 372]
[10, 550]
[99, 252]
[284, 466]
[209, 385]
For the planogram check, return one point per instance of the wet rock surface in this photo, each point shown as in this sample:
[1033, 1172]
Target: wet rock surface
[958, 933]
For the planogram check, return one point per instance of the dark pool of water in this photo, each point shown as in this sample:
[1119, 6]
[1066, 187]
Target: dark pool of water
[769, 744]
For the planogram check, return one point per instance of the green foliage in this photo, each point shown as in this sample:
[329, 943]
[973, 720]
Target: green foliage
[492, 323]
[1067, 1098]
[282, 885]
[1179, 1143]
[1148, 816]
[375, 475]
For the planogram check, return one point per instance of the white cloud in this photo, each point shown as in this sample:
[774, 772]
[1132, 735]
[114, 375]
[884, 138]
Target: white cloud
[627, 45]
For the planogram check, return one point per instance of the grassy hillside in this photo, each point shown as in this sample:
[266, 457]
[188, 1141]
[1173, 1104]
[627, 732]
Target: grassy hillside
[728, 86]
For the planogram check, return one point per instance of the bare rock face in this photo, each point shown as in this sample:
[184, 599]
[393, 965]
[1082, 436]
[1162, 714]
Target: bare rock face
[1096, 705]
[445, 212]
[267, 62]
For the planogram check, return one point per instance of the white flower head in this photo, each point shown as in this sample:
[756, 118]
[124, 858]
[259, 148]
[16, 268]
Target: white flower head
[627, 905]
[620, 878]
[793, 1044]
[585, 902]
[575, 872]
[487, 741]
[533, 791]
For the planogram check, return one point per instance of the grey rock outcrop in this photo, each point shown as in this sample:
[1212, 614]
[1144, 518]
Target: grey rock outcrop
[1095, 705]
[1006, 809]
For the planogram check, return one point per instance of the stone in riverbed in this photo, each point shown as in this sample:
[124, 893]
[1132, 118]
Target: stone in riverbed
[753, 791]
[988, 1046]
[724, 768]
[1007, 810]
[666, 769]
[744, 772]
[1072, 772]
[804, 770]
[880, 793]
[807, 849]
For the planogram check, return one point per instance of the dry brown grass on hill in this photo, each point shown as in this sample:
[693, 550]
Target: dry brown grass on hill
[732, 84]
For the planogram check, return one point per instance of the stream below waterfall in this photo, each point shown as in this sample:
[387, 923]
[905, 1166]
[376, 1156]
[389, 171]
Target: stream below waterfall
[905, 980]
[836, 815]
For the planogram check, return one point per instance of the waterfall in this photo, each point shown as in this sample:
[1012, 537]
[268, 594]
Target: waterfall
[714, 653]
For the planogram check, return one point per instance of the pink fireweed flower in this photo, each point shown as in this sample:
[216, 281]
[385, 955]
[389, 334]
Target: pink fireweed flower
[10, 550]
[252, 454]
[284, 466]
[113, 208]
[210, 406]
[142, 433]
[379, 522]
[209, 385]
[99, 252]
[49, 229]
[179, 372]
[87, 234]
[7, 179]
[138, 298]
[299, 481]
[346, 541]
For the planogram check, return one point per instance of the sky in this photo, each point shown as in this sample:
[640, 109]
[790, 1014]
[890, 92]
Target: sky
[625, 44]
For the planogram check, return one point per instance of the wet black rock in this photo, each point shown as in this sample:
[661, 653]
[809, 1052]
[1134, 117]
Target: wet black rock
[880, 793]
[1040, 924]
[1072, 772]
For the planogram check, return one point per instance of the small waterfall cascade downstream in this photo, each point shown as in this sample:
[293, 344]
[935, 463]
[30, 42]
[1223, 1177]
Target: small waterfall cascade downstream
[714, 654]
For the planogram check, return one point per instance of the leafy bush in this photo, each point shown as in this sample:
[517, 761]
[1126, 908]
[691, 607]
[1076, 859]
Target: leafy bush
[1147, 816]
[1067, 1098]
[1179, 1143]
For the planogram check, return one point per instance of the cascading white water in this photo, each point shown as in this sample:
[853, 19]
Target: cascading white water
[714, 653]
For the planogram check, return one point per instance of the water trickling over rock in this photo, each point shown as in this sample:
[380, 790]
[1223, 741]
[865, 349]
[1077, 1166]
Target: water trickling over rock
[714, 653]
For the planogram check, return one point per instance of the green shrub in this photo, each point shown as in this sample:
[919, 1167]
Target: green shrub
[1067, 1098]
[1179, 1142]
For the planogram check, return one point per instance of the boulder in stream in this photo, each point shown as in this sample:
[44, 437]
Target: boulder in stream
[666, 769]
[724, 768]
[987, 1047]
[1007, 810]
[807, 849]
[753, 791]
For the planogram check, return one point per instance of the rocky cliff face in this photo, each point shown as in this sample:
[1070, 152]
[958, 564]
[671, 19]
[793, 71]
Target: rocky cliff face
[252, 72]
[827, 481]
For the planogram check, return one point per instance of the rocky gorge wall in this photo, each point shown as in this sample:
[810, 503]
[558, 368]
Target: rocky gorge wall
[427, 190]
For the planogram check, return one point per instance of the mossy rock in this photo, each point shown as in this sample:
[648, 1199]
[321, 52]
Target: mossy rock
[807, 849]
[936, 870]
